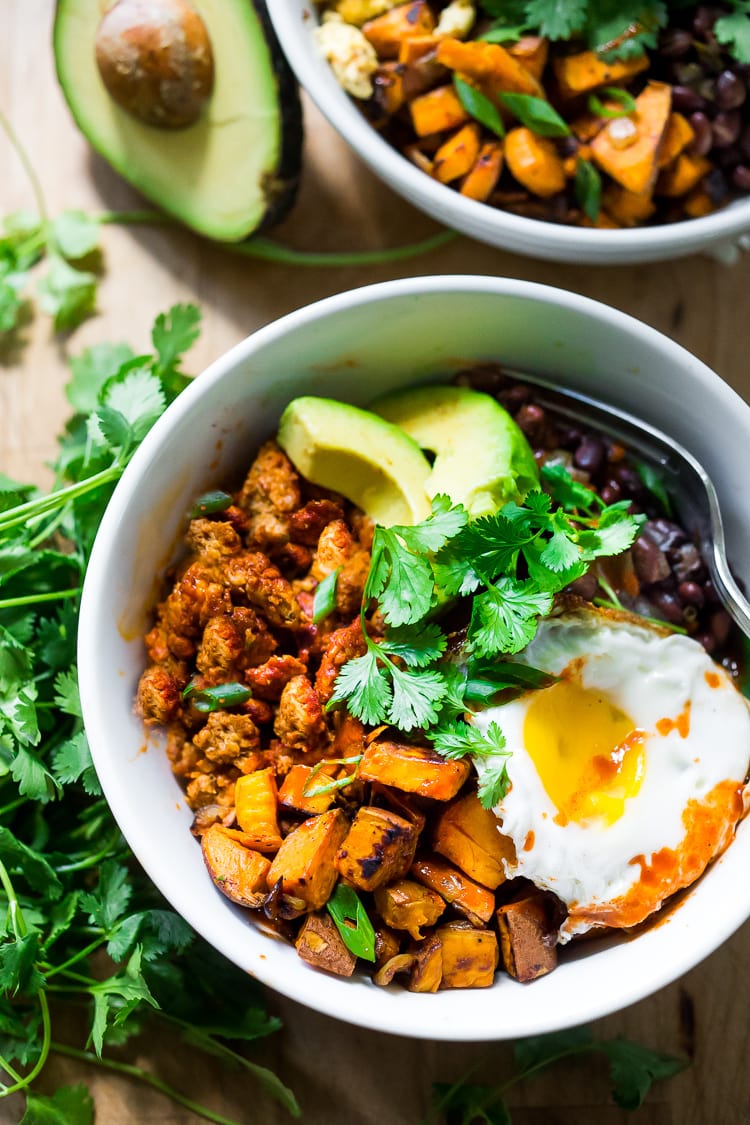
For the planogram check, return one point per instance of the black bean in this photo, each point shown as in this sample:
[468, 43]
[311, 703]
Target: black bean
[726, 128]
[675, 42]
[730, 91]
[668, 605]
[651, 564]
[585, 587]
[721, 624]
[486, 377]
[691, 594]
[611, 492]
[703, 140]
[686, 562]
[531, 419]
[685, 100]
[708, 641]
[704, 19]
[590, 455]
[710, 591]
[716, 185]
[730, 157]
[741, 177]
[664, 533]
[628, 479]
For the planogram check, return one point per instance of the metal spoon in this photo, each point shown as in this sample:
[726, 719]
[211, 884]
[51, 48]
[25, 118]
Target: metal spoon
[686, 481]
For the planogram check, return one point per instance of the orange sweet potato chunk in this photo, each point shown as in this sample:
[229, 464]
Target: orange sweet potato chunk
[305, 861]
[461, 892]
[469, 836]
[413, 769]
[437, 111]
[387, 32]
[633, 161]
[480, 182]
[470, 956]
[531, 51]
[627, 208]
[255, 800]
[586, 71]
[489, 65]
[677, 136]
[683, 175]
[526, 939]
[458, 154]
[238, 871]
[320, 944]
[405, 905]
[291, 795]
[534, 162]
[379, 848]
[427, 969]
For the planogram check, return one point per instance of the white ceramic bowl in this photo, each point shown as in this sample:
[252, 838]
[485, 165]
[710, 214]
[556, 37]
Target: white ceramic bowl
[294, 21]
[355, 346]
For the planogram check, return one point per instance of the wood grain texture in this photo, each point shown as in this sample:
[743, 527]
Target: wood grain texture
[345, 1076]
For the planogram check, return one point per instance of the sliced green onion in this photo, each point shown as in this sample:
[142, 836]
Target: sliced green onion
[588, 187]
[486, 681]
[536, 114]
[352, 922]
[216, 698]
[324, 601]
[606, 603]
[499, 34]
[341, 783]
[626, 100]
[210, 502]
[478, 106]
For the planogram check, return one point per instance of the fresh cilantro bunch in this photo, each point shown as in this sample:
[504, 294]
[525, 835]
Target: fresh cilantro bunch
[81, 923]
[511, 564]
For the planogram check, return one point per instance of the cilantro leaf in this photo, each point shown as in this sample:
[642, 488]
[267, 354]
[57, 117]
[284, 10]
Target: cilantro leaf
[75, 234]
[634, 1068]
[32, 776]
[91, 370]
[173, 333]
[539, 1051]
[66, 692]
[70, 1105]
[471, 1104]
[18, 971]
[415, 698]
[557, 20]
[432, 533]
[417, 646]
[137, 395]
[365, 687]
[733, 30]
[504, 617]
[71, 761]
[456, 740]
[23, 860]
[110, 900]
[490, 545]
[128, 986]
[561, 551]
[494, 783]
[566, 490]
[67, 294]
[402, 581]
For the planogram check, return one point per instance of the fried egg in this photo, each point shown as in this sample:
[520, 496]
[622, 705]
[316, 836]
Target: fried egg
[627, 775]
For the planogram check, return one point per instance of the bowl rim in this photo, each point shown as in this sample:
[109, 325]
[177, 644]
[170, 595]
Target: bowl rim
[627, 244]
[416, 1021]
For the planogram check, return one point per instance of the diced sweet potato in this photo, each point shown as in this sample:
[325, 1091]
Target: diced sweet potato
[683, 175]
[389, 87]
[416, 47]
[458, 154]
[627, 208]
[677, 136]
[531, 51]
[379, 848]
[238, 871]
[387, 32]
[603, 221]
[698, 203]
[320, 944]
[305, 861]
[534, 162]
[415, 769]
[469, 836]
[387, 945]
[437, 111]
[480, 182]
[427, 969]
[477, 903]
[470, 956]
[291, 794]
[526, 938]
[405, 905]
[255, 801]
[632, 160]
[586, 71]
[421, 159]
[585, 127]
[489, 65]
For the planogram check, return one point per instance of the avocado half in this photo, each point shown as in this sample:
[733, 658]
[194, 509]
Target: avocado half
[232, 172]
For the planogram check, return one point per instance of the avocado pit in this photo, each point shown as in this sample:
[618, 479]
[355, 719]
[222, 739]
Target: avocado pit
[156, 61]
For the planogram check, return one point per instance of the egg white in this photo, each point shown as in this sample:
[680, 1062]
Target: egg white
[650, 677]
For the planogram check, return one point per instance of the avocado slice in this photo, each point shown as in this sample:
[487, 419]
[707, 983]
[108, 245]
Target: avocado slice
[372, 463]
[482, 459]
[233, 170]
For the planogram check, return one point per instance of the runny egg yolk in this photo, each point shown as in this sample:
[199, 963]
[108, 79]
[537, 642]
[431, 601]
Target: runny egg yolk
[589, 754]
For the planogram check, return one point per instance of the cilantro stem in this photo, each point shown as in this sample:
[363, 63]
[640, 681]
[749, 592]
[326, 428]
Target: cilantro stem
[47, 531]
[124, 218]
[76, 957]
[268, 251]
[27, 166]
[91, 860]
[13, 805]
[33, 599]
[11, 1070]
[15, 517]
[144, 1076]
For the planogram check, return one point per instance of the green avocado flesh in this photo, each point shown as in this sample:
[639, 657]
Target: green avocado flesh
[236, 167]
[370, 462]
[482, 459]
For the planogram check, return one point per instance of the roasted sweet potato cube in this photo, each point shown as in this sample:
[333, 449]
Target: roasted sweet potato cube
[305, 861]
[470, 956]
[437, 111]
[387, 945]
[677, 136]
[416, 47]
[291, 794]
[387, 32]
[527, 938]
[457, 155]
[379, 848]
[255, 802]
[427, 970]
[477, 903]
[389, 87]
[627, 208]
[469, 836]
[489, 65]
[320, 944]
[405, 905]
[698, 203]
[682, 175]
[531, 51]
[238, 871]
[534, 162]
[586, 71]
[633, 160]
[480, 181]
[414, 769]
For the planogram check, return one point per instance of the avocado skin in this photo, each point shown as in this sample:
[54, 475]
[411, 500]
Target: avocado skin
[278, 190]
[281, 190]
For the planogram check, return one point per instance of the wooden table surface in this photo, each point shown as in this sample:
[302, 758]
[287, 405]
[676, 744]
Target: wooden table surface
[342, 1075]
